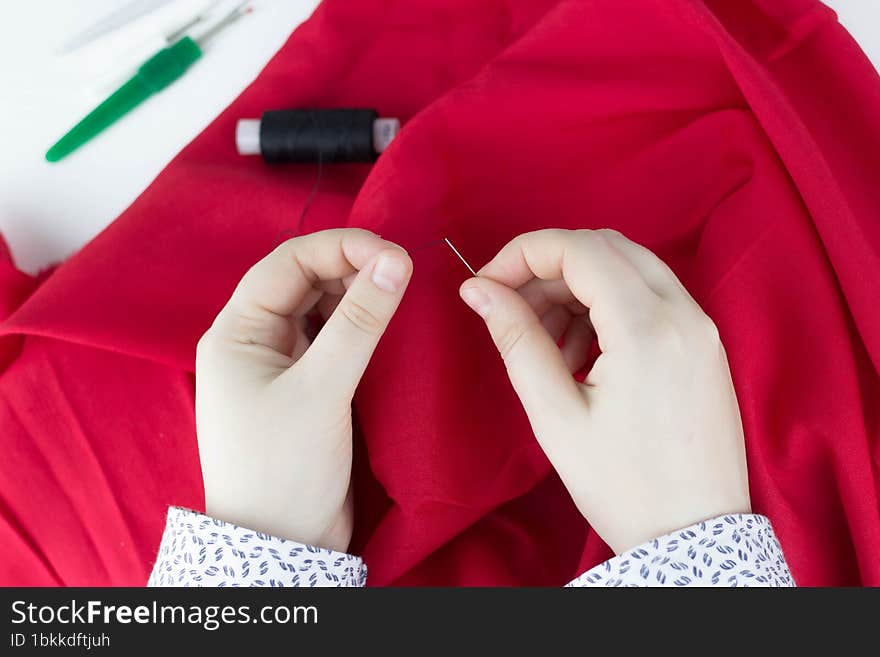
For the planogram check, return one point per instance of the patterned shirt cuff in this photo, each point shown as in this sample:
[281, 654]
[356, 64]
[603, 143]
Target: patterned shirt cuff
[200, 551]
[735, 550]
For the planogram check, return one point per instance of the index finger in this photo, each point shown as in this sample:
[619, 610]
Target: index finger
[289, 280]
[598, 275]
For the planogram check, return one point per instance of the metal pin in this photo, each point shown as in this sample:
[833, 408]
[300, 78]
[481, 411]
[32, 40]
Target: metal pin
[240, 10]
[460, 257]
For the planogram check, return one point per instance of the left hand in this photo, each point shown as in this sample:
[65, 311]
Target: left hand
[273, 409]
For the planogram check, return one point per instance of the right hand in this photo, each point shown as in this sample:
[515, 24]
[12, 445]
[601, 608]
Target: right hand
[652, 441]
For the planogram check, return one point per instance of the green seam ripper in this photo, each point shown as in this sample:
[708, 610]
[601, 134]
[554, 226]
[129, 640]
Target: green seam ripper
[153, 76]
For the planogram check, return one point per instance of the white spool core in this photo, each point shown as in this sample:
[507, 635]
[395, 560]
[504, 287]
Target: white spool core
[247, 136]
[384, 130]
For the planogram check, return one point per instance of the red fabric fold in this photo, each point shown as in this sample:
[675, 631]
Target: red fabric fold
[737, 140]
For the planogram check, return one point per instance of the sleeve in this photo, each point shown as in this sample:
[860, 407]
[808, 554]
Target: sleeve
[730, 551]
[200, 551]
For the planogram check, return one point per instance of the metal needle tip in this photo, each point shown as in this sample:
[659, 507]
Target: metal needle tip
[237, 12]
[460, 257]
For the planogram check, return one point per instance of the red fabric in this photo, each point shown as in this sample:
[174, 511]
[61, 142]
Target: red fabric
[738, 140]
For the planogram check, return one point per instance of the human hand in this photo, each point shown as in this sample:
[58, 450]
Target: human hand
[652, 441]
[273, 409]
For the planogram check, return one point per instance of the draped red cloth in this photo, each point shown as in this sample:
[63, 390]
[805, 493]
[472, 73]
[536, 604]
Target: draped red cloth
[738, 140]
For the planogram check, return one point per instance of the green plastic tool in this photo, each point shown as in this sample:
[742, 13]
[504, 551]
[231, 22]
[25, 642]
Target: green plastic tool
[153, 76]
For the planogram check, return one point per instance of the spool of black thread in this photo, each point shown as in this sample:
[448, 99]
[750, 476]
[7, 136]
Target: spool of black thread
[316, 135]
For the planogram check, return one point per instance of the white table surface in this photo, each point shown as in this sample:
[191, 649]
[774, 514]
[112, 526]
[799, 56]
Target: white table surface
[49, 211]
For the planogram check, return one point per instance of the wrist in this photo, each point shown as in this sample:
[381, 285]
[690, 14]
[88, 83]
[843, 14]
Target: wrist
[623, 539]
[338, 537]
[333, 534]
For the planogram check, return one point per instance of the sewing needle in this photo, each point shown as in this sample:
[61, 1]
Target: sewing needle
[460, 257]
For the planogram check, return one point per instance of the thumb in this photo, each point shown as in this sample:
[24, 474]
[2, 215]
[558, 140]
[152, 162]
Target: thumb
[534, 362]
[344, 346]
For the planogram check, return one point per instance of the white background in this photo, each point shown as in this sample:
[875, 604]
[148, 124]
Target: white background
[47, 211]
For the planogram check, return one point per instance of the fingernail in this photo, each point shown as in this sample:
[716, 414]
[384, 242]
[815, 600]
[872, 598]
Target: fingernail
[388, 273]
[477, 300]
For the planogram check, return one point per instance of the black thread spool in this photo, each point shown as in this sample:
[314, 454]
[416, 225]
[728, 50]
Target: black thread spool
[316, 135]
